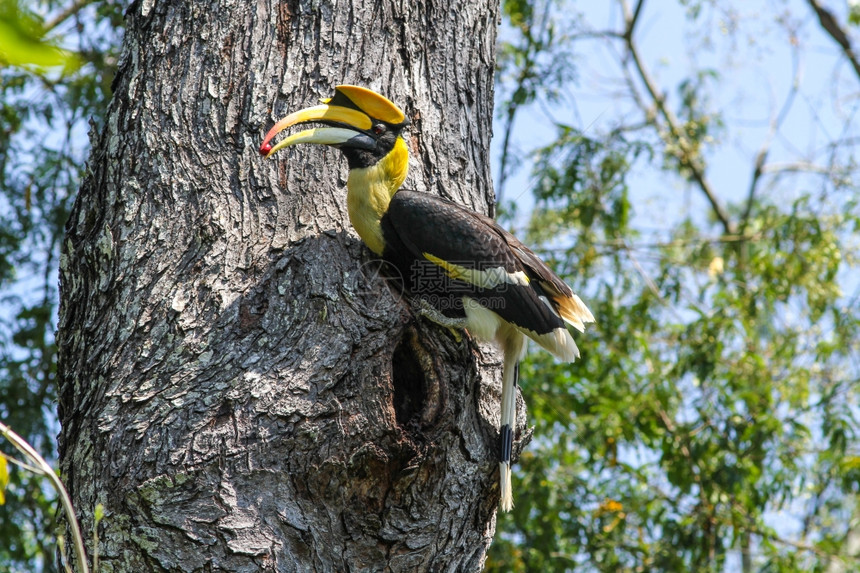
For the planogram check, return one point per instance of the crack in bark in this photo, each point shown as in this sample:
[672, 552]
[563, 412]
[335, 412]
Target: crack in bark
[210, 332]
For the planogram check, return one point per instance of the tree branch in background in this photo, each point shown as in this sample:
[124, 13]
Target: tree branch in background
[66, 13]
[687, 157]
[719, 401]
[773, 129]
[536, 64]
[43, 468]
[524, 64]
[832, 27]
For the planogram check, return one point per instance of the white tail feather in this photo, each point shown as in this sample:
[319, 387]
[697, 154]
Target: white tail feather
[507, 501]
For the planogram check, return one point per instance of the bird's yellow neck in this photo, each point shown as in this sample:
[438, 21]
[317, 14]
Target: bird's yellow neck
[369, 191]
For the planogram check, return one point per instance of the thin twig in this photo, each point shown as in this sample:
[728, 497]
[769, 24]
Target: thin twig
[503, 162]
[621, 244]
[631, 23]
[22, 446]
[773, 129]
[23, 464]
[70, 11]
[832, 27]
[688, 157]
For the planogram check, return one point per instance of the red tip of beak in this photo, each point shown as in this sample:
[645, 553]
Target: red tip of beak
[265, 148]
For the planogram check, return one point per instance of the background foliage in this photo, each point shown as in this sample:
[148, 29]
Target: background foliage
[706, 207]
[56, 64]
[699, 192]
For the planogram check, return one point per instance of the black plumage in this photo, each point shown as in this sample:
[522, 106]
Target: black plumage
[470, 271]
[418, 223]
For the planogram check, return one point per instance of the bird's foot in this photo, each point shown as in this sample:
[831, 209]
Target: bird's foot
[428, 311]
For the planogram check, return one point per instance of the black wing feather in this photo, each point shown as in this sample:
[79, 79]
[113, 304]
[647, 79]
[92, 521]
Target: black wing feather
[418, 223]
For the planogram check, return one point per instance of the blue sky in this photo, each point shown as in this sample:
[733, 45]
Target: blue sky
[755, 67]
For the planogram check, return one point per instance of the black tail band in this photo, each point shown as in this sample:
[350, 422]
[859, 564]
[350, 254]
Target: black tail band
[507, 443]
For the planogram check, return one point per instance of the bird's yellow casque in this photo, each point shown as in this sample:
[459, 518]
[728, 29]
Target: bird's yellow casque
[495, 287]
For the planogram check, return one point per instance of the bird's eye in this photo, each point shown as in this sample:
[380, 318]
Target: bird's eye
[378, 129]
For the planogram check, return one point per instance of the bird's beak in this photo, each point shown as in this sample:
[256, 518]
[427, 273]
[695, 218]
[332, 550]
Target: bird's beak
[354, 122]
[349, 113]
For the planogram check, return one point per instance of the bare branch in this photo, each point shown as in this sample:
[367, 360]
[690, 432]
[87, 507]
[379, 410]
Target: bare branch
[773, 129]
[506, 149]
[67, 13]
[631, 22]
[23, 465]
[46, 470]
[688, 157]
[794, 167]
[832, 27]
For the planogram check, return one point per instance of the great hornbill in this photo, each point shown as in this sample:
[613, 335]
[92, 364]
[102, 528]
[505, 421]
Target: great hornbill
[493, 285]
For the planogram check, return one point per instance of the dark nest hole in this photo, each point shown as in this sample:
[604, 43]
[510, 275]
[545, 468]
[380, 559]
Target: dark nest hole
[410, 384]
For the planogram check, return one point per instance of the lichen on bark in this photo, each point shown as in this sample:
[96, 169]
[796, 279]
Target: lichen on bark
[234, 391]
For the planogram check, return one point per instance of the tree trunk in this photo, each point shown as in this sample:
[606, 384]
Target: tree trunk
[239, 389]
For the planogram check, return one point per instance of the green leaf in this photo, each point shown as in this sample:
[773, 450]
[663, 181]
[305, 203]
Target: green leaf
[22, 42]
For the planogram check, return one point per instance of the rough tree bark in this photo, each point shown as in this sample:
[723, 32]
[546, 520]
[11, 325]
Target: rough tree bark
[235, 391]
